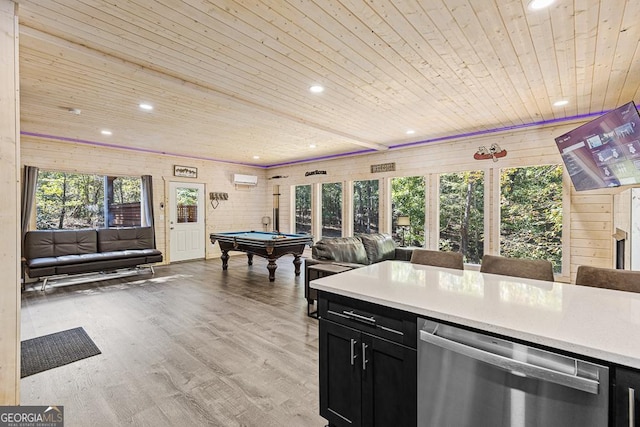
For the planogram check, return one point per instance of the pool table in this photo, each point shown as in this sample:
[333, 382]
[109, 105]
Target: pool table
[264, 244]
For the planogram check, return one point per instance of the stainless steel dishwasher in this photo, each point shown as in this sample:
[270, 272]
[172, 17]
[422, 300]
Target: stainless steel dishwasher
[467, 378]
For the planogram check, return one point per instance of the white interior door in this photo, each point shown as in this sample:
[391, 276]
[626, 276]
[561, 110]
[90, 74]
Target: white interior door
[186, 223]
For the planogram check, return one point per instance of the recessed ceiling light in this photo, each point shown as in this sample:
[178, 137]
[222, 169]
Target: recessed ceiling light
[316, 89]
[312, 146]
[256, 157]
[560, 103]
[106, 132]
[539, 4]
[147, 107]
[410, 132]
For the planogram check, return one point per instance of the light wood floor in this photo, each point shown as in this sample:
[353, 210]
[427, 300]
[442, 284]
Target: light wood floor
[191, 346]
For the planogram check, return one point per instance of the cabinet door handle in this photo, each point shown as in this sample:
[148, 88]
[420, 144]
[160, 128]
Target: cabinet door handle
[353, 351]
[364, 356]
[632, 407]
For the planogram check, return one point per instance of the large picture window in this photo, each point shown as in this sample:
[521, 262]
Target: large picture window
[407, 199]
[366, 206]
[303, 209]
[74, 201]
[462, 214]
[531, 213]
[332, 209]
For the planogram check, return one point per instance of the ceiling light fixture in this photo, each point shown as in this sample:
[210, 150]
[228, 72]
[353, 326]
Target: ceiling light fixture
[316, 89]
[75, 111]
[560, 103]
[106, 132]
[539, 4]
[312, 146]
[256, 157]
[410, 132]
[146, 107]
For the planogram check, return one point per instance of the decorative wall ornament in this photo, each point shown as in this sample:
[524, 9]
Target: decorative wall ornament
[383, 167]
[214, 198]
[315, 172]
[279, 177]
[185, 171]
[494, 152]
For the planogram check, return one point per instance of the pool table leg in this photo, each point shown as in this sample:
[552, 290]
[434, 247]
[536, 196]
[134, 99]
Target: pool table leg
[249, 258]
[225, 259]
[297, 262]
[272, 269]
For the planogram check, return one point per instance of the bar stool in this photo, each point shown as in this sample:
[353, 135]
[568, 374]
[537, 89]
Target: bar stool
[437, 258]
[609, 278]
[539, 269]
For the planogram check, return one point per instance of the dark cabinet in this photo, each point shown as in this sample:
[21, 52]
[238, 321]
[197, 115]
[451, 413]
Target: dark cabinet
[367, 364]
[627, 398]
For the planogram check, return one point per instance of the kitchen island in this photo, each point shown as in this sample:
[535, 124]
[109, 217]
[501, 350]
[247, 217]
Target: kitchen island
[598, 324]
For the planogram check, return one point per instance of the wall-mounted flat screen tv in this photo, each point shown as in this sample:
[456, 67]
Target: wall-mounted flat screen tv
[604, 152]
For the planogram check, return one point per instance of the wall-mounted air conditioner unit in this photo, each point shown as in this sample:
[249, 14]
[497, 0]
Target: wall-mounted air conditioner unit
[239, 179]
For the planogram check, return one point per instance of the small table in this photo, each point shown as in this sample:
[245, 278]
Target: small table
[316, 271]
[266, 245]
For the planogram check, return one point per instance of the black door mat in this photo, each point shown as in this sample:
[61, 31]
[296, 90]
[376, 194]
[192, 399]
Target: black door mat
[53, 350]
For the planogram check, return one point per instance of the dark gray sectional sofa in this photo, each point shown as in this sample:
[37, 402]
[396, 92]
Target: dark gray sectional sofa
[352, 252]
[60, 252]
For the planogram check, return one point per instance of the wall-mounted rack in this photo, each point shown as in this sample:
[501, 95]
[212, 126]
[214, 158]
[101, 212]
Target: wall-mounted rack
[214, 198]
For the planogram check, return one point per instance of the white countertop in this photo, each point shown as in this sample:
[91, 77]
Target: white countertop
[599, 323]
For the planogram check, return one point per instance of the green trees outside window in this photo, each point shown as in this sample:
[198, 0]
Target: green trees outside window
[332, 209]
[531, 213]
[187, 205]
[408, 199]
[366, 206]
[462, 214]
[73, 201]
[303, 209]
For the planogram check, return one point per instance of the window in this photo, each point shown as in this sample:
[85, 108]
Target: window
[303, 209]
[407, 199]
[366, 206]
[531, 213]
[74, 201]
[124, 195]
[186, 205]
[332, 209]
[462, 214]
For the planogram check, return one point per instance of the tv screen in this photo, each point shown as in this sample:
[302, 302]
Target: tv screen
[604, 152]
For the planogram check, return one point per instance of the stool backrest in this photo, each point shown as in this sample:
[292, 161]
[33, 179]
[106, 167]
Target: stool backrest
[610, 278]
[437, 258]
[539, 269]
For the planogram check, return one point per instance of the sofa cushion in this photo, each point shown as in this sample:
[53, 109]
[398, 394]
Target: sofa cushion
[340, 249]
[378, 246]
[54, 243]
[122, 239]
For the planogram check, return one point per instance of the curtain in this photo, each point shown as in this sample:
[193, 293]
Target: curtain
[147, 203]
[29, 181]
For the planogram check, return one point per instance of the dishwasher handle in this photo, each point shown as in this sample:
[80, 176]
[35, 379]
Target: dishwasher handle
[511, 365]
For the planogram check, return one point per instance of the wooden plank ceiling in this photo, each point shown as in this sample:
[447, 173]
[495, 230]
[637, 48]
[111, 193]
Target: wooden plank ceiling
[229, 79]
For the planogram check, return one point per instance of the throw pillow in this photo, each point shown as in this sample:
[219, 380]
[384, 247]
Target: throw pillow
[379, 247]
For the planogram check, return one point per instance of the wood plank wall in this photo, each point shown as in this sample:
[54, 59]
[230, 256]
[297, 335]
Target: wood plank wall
[10, 208]
[590, 214]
